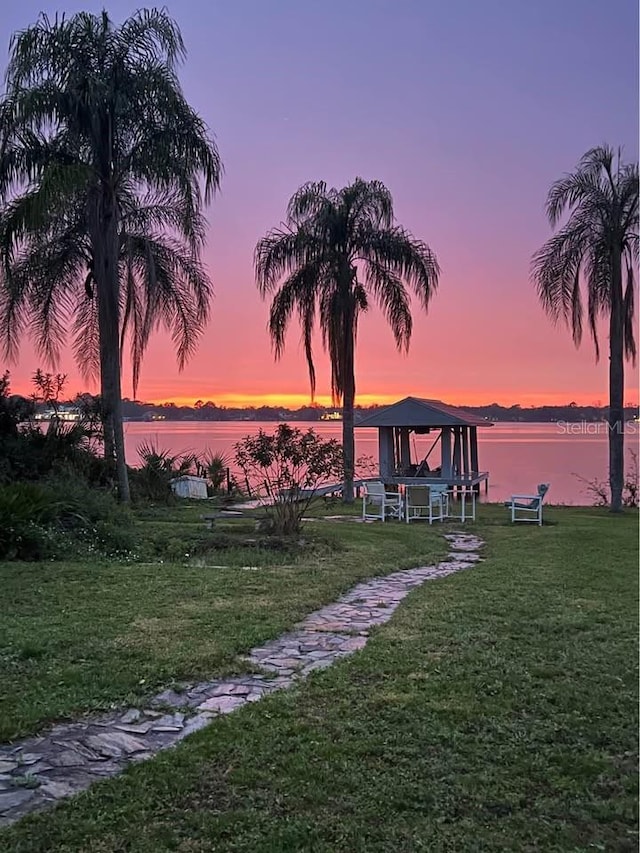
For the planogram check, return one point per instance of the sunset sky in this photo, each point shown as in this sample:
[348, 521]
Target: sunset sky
[467, 110]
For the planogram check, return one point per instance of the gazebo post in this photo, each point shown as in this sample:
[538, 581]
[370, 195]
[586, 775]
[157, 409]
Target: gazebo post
[385, 453]
[405, 449]
[445, 445]
[465, 452]
[457, 462]
[396, 448]
[474, 454]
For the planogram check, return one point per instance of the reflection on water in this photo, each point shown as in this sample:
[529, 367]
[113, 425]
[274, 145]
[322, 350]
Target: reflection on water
[517, 456]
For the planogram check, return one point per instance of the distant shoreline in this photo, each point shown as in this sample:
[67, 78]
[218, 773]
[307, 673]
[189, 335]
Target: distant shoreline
[209, 412]
[324, 421]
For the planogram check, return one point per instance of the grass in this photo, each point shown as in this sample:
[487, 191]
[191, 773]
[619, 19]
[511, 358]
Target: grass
[78, 637]
[496, 711]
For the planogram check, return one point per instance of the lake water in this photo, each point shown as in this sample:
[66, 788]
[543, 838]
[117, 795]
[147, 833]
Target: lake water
[517, 456]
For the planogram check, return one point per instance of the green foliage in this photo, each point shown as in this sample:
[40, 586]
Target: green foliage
[14, 410]
[26, 511]
[31, 450]
[152, 480]
[290, 465]
[49, 387]
[62, 517]
[215, 467]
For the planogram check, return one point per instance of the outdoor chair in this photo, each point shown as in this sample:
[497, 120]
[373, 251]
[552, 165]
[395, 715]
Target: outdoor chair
[528, 507]
[427, 503]
[378, 504]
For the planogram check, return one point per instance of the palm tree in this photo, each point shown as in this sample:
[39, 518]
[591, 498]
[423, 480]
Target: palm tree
[52, 274]
[596, 250]
[95, 112]
[338, 251]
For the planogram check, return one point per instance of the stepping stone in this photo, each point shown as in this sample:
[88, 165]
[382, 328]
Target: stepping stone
[222, 704]
[16, 797]
[59, 788]
[132, 716]
[114, 744]
[66, 758]
[200, 721]
[169, 723]
[137, 728]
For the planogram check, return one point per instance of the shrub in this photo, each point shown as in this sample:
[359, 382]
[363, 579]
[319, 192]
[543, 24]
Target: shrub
[26, 510]
[215, 467]
[152, 480]
[62, 518]
[290, 465]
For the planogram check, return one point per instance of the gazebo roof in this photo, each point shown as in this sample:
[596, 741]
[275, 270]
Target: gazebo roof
[415, 412]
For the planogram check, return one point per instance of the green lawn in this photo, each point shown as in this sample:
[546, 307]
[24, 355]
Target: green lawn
[496, 711]
[77, 637]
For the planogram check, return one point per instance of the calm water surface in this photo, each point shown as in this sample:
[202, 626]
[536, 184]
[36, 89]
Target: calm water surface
[517, 456]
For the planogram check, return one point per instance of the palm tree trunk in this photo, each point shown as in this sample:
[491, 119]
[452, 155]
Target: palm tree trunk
[107, 422]
[348, 445]
[104, 238]
[616, 385]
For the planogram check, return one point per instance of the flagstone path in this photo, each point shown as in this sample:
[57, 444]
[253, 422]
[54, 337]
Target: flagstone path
[38, 772]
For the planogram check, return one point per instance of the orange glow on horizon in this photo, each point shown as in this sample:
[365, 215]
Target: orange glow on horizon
[297, 401]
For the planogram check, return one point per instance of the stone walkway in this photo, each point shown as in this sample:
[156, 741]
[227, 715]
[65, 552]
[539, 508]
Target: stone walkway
[37, 772]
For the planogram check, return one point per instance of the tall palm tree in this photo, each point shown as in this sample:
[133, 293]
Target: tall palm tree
[338, 251]
[596, 250]
[96, 111]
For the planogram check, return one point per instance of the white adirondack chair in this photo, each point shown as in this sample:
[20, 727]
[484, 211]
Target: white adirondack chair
[528, 507]
[378, 504]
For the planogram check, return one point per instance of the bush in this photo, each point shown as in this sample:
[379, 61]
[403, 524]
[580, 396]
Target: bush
[26, 512]
[62, 518]
[291, 465]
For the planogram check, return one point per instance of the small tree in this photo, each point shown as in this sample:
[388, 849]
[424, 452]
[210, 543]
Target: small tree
[289, 465]
[48, 388]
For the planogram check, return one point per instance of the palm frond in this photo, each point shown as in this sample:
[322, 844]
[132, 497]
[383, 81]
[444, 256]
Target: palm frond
[391, 296]
[629, 314]
[399, 252]
[601, 200]
[555, 268]
[310, 267]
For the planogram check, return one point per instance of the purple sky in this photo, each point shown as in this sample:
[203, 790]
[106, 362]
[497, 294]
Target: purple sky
[466, 109]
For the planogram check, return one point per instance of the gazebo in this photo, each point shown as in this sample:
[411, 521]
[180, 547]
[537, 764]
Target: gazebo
[455, 433]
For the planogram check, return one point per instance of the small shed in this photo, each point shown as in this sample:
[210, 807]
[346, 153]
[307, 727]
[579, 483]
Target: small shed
[189, 487]
[455, 436]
